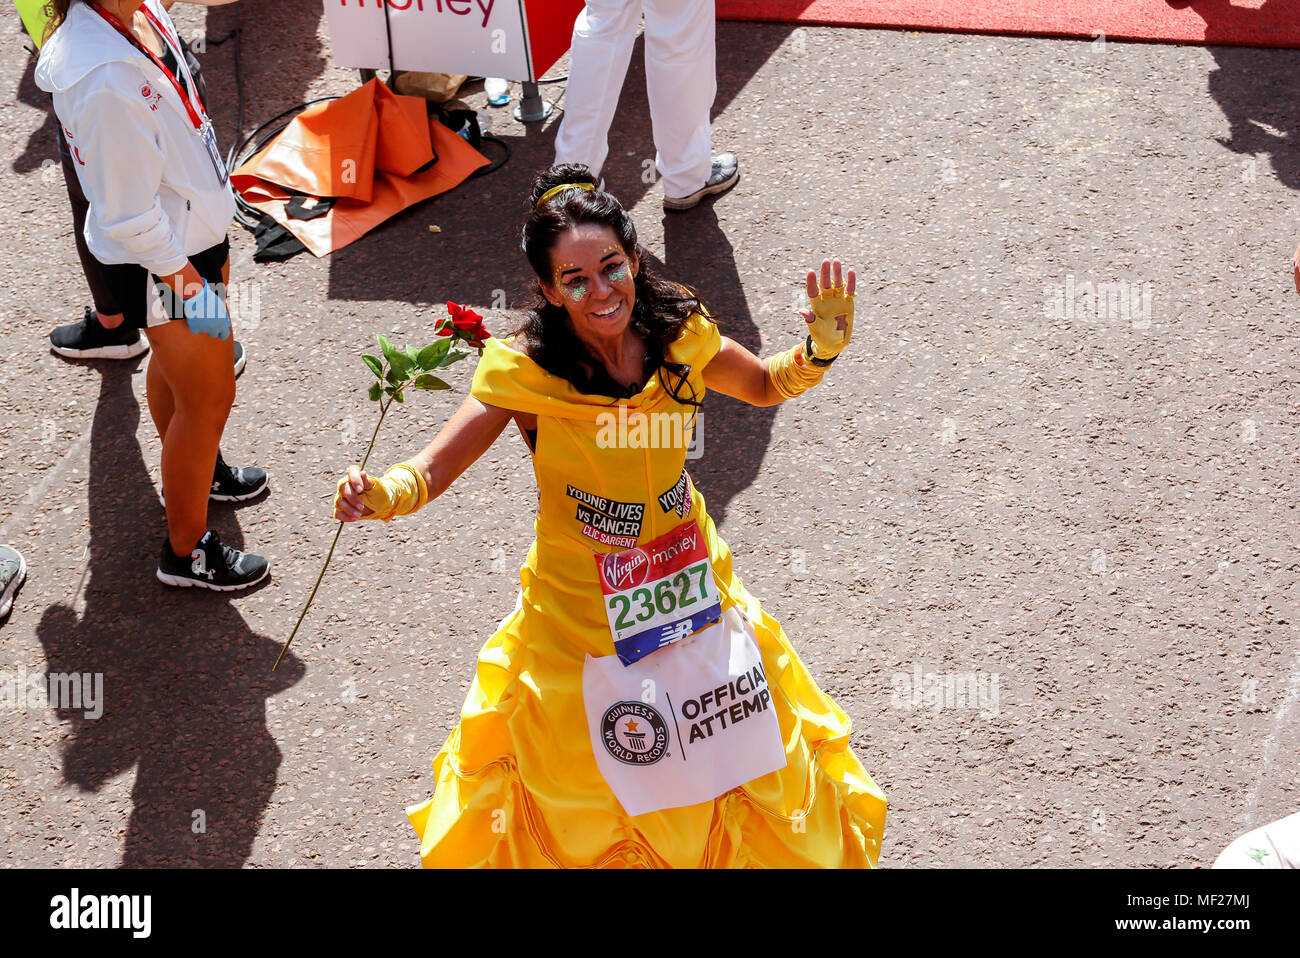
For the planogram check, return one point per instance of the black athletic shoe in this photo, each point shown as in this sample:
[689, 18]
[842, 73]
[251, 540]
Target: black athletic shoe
[89, 339]
[211, 565]
[236, 483]
[232, 483]
[239, 358]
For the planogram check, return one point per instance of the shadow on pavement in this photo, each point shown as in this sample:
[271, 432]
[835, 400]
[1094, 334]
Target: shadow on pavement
[735, 435]
[185, 680]
[1257, 89]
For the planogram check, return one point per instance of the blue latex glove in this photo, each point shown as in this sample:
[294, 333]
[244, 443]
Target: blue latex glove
[206, 313]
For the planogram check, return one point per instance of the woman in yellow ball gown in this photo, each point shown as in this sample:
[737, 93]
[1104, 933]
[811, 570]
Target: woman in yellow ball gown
[638, 707]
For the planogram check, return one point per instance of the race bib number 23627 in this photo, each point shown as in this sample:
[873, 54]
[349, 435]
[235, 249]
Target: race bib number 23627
[658, 593]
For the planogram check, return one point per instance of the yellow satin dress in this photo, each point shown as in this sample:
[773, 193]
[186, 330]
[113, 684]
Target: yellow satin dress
[516, 782]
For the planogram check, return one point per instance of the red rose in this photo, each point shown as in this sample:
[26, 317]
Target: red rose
[467, 323]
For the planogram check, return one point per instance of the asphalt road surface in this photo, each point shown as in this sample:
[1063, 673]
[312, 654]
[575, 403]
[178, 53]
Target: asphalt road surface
[1036, 533]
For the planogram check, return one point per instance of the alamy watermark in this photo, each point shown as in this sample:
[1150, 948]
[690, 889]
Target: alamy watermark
[1107, 302]
[70, 691]
[656, 430]
[243, 303]
[946, 690]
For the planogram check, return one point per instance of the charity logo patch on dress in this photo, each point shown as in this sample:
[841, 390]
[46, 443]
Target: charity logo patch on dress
[607, 521]
[678, 498]
[634, 733]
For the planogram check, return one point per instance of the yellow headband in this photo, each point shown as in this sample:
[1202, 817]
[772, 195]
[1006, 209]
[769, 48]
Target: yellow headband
[554, 190]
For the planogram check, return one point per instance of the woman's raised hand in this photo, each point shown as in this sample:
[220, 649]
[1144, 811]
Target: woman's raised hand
[348, 506]
[830, 318]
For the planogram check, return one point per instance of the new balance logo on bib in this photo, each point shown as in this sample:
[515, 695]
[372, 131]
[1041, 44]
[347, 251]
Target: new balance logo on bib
[685, 724]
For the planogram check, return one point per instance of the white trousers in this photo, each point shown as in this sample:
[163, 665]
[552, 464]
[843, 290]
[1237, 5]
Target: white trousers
[680, 80]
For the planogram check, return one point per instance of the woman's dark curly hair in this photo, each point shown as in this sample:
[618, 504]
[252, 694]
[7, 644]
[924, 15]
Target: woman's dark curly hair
[660, 311]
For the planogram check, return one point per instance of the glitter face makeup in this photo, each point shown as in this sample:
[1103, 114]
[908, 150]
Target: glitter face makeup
[619, 273]
[559, 270]
[591, 280]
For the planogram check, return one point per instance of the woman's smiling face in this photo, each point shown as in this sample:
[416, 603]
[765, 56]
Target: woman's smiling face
[592, 278]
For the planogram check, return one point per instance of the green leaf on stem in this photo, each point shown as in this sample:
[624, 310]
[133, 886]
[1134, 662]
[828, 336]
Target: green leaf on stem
[413, 355]
[375, 392]
[399, 362]
[375, 365]
[430, 382]
[455, 356]
[430, 357]
[397, 396]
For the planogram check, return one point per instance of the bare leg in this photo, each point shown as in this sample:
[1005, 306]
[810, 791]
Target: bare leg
[200, 374]
[162, 404]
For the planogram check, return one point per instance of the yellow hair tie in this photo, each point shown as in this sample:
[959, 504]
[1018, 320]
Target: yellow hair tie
[554, 190]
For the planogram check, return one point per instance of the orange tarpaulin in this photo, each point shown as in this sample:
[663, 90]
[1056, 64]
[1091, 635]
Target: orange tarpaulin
[369, 150]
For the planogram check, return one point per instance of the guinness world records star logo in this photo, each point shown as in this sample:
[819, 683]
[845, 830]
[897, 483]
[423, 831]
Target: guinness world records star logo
[634, 733]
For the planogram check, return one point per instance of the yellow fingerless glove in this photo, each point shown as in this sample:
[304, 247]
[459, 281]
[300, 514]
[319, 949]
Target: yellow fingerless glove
[791, 373]
[832, 323]
[398, 492]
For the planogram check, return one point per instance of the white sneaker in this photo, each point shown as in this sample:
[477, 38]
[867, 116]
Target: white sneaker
[723, 175]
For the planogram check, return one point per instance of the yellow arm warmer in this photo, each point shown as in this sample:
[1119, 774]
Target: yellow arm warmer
[792, 374]
[398, 492]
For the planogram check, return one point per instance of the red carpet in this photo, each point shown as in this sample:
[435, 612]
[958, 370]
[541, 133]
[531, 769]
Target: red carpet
[1263, 23]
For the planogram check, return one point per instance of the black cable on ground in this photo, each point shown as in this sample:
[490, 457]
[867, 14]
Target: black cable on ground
[559, 79]
[495, 164]
[247, 214]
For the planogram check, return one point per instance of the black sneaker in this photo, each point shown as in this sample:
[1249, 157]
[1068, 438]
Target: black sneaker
[232, 483]
[89, 339]
[723, 175]
[211, 565]
[236, 483]
[239, 358]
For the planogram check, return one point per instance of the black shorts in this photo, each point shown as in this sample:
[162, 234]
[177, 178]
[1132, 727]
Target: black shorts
[130, 285]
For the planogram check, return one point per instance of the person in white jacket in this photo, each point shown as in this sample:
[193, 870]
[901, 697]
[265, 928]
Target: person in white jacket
[160, 203]
[681, 82]
[100, 333]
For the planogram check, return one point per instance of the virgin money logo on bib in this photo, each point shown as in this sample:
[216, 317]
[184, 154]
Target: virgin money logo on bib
[634, 733]
[623, 570]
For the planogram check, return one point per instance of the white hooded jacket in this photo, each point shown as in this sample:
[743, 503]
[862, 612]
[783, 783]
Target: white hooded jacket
[155, 198]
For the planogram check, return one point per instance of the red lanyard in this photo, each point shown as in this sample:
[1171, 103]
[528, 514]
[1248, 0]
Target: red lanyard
[116, 24]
